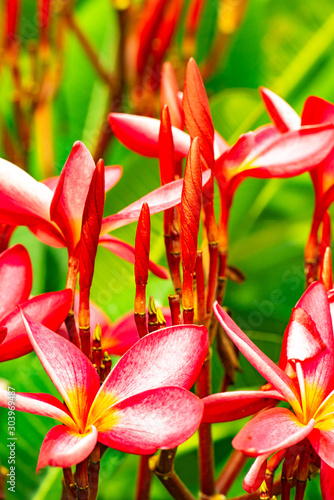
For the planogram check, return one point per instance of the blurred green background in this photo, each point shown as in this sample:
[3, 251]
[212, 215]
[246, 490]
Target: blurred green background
[286, 46]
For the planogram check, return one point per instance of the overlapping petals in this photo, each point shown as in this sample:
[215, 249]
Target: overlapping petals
[16, 282]
[307, 384]
[142, 405]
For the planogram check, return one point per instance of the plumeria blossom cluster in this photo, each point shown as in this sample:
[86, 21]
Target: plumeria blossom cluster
[144, 403]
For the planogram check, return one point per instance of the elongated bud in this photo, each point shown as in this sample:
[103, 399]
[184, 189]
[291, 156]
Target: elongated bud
[107, 363]
[175, 309]
[12, 15]
[197, 112]
[326, 272]
[193, 17]
[43, 14]
[169, 95]
[142, 250]
[191, 200]
[166, 148]
[90, 232]
[147, 27]
[166, 30]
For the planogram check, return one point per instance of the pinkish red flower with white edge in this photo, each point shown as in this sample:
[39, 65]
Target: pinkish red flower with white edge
[142, 405]
[16, 282]
[307, 384]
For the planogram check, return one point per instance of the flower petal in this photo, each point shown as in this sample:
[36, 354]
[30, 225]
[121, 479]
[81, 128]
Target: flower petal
[23, 200]
[112, 175]
[259, 360]
[70, 194]
[49, 308]
[38, 404]
[270, 431]
[159, 418]
[323, 442]
[227, 406]
[63, 447]
[327, 481]
[255, 476]
[170, 356]
[15, 278]
[290, 154]
[141, 134]
[69, 369]
[127, 252]
[282, 114]
[160, 199]
[317, 110]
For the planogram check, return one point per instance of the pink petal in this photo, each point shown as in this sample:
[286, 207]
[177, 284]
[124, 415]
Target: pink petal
[49, 308]
[282, 114]
[270, 431]
[23, 200]
[159, 418]
[292, 153]
[219, 145]
[120, 336]
[303, 341]
[141, 134]
[315, 303]
[15, 278]
[260, 361]
[63, 447]
[48, 234]
[227, 406]
[170, 356]
[316, 110]
[127, 252]
[69, 369]
[38, 404]
[70, 195]
[160, 199]
[327, 481]
[255, 476]
[112, 175]
[323, 442]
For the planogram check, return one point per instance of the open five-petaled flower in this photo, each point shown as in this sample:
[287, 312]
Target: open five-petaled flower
[142, 405]
[307, 384]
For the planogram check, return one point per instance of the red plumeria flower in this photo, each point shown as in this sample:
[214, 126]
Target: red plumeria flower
[16, 282]
[307, 384]
[316, 111]
[53, 209]
[142, 405]
[264, 153]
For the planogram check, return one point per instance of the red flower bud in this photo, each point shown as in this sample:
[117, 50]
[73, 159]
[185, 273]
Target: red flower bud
[190, 218]
[166, 148]
[197, 113]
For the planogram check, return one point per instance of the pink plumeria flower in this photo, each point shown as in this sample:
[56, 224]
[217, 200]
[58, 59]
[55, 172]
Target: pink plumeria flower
[308, 357]
[142, 405]
[16, 282]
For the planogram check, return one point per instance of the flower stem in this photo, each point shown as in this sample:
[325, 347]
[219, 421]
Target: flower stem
[81, 480]
[144, 478]
[170, 480]
[205, 450]
[69, 485]
[93, 472]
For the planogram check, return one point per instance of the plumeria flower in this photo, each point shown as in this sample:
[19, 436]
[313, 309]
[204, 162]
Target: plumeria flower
[16, 282]
[142, 405]
[264, 153]
[307, 384]
[53, 209]
[316, 111]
